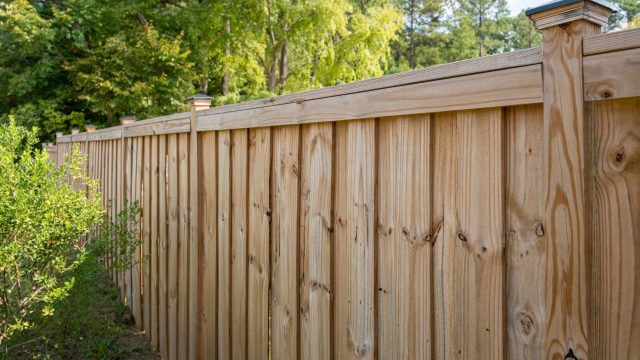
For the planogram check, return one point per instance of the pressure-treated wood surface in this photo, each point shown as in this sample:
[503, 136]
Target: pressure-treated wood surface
[259, 214]
[284, 238]
[224, 245]
[615, 229]
[565, 201]
[404, 238]
[239, 155]
[172, 246]
[486, 232]
[316, 228]
[354, 227]
[209, 252]
[526, 246]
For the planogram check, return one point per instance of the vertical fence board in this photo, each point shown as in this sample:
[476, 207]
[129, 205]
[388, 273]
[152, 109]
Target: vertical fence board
[183, 244]
[120, 199]
[146, 231]
[284, 227]
[525, 245]
[224, 244]
[128, 191]
[239, 154]
[479, 217]
[354, 319]
[258, 243]
[152, 211]
[136, 177]
[615, 225]
[404, 238]
[208, 229]
[163, 244]
[468, 200]
[172, 248]
[315, 240]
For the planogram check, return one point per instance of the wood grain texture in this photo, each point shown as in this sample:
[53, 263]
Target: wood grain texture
[284, 239]
[404, 238]
[172, 246]
[169, 124]
[224, 245]
[127, 197]
[183, 245]
[195, 260]
[316, 233]
[612, 75]
[613, 41]
[239, 173]
[137, 150]
[163, 246]
[259, 212]
[525, 241]
[445, 71]
[563, 183]
[469, 264]
[354, 319]
[152, 212]
[521, 85]
[208, 230]
[146, 235]
[615, 244]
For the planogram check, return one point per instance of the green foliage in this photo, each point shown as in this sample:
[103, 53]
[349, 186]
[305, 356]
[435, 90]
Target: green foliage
[89, 323]
[41, 220]
[66, 63]
[119, 239]
[145, 75]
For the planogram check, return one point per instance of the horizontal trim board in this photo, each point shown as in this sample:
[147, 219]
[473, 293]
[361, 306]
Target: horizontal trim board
[445, 71]
[516, 86]
[175, 125]
[613, 41]
[612, 75]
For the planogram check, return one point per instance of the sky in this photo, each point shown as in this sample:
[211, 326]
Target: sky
[516, 5]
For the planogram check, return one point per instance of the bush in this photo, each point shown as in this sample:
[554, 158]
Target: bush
[42, 219]
[123, 233]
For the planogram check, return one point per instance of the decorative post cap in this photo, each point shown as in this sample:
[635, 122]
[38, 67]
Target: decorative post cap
[200, 101]
[75, 131]
[564, 11]
[90, 127]
[128, 120]
[59, 134]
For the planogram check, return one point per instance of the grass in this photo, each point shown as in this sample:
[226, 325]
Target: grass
[91, 323]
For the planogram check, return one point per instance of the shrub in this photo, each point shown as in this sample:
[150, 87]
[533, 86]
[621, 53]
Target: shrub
[119, 239]
[42, 219]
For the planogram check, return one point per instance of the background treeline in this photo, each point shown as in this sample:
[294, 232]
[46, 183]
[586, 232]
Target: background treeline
[65, 63]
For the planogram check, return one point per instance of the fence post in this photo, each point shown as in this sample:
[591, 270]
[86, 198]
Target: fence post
[196, 102]
[563, 24]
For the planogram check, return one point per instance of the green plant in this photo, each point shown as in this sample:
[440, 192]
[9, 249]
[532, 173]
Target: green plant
[119, 239]
[41, 220]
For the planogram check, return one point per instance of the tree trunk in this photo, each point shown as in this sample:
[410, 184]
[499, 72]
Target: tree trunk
[412, 60]
[227, 54]
[284, 64]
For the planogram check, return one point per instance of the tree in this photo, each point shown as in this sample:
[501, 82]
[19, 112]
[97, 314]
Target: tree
[488, 19]
[145, 76]
[522, 33]
[420, 32]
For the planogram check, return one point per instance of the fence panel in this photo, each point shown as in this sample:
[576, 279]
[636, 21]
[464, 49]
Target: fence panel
[337, 224]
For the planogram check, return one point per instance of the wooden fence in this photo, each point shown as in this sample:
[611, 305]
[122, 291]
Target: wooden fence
[469, 210]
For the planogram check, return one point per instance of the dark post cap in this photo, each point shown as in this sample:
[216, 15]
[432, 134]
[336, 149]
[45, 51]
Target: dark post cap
[559, 3]
[199, 97]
